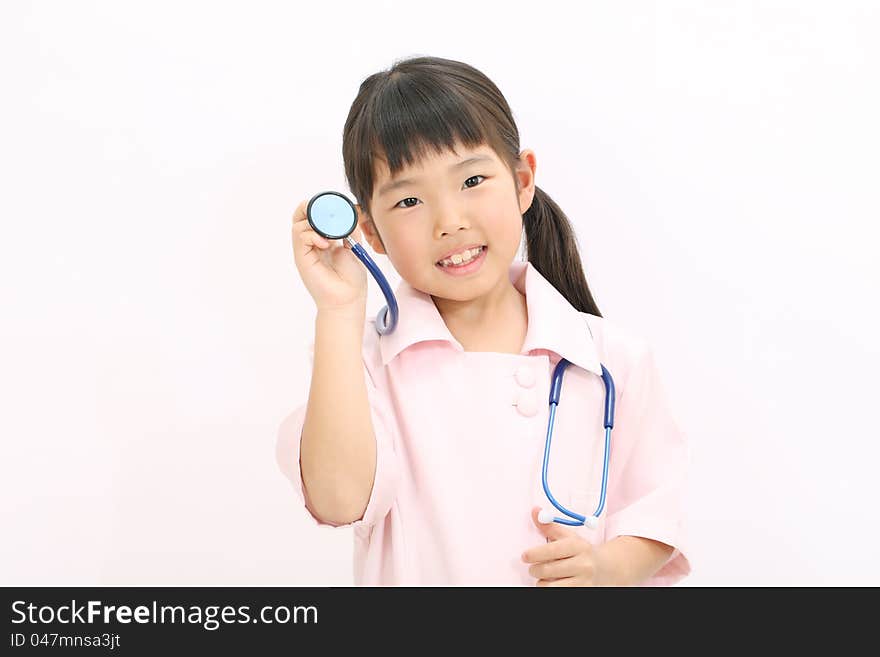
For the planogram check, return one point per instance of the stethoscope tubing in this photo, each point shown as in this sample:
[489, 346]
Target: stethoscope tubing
[386, 320]
[576, 519]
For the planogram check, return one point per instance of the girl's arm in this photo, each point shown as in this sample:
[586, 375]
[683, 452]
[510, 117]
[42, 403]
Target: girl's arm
[338, 447]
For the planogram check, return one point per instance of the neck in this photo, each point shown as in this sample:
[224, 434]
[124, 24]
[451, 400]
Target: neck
[496, 321]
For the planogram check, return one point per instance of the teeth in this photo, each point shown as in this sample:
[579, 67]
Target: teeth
[459, 258]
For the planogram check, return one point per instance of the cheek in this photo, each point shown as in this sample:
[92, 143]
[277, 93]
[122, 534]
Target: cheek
[504, 227]
[408, 253]
[407, 246]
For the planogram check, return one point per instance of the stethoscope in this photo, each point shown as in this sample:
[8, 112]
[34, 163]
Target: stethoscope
[334, 217]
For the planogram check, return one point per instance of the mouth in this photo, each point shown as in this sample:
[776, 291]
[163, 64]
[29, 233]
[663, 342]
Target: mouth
[464, 268]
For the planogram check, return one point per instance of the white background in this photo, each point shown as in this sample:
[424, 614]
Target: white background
[718, 159]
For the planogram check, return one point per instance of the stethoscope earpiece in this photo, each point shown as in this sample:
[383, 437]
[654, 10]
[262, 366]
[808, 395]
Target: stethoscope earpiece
[546, 517]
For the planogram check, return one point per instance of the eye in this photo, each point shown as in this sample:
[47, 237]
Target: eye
[472, 177]
[403, 207]
[406, 199]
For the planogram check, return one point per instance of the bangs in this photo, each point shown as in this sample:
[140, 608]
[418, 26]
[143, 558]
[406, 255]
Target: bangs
[409, 116]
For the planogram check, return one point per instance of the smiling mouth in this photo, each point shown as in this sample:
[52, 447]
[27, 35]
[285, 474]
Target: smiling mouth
[452, 264]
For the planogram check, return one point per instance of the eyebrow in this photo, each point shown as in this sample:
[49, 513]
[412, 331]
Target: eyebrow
[391, 186]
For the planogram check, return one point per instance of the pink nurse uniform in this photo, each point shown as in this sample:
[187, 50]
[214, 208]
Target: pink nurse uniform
[460, 441]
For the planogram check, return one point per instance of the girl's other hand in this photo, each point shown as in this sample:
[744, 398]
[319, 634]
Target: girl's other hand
[566, 559]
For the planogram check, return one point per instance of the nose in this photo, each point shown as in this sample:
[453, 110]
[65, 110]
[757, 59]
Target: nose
[449, 219]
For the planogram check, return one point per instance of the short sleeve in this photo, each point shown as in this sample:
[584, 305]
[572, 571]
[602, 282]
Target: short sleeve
[647, 478]
[287, 454]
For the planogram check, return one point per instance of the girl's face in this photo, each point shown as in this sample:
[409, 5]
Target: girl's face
[444, 204]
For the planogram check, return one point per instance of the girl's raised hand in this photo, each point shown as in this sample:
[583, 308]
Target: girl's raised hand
[333, 275]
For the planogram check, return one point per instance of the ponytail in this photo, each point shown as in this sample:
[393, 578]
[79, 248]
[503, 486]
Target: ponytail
[552, 249]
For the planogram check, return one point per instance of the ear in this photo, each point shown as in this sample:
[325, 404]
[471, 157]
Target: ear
[368, 228]
[525, 174]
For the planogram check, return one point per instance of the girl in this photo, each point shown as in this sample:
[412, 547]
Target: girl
[428, 442]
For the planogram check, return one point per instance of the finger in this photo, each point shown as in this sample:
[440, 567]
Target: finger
[307, 240]
[550, 551]
[553, 530]
[557, 569]
[309, 236]
[565, 581]
[300, 219]
[301, 223]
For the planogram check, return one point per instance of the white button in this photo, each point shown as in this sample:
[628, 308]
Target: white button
[525, 376]
[527, 403]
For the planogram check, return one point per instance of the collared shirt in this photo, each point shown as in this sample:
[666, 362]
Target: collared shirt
[460, 438]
